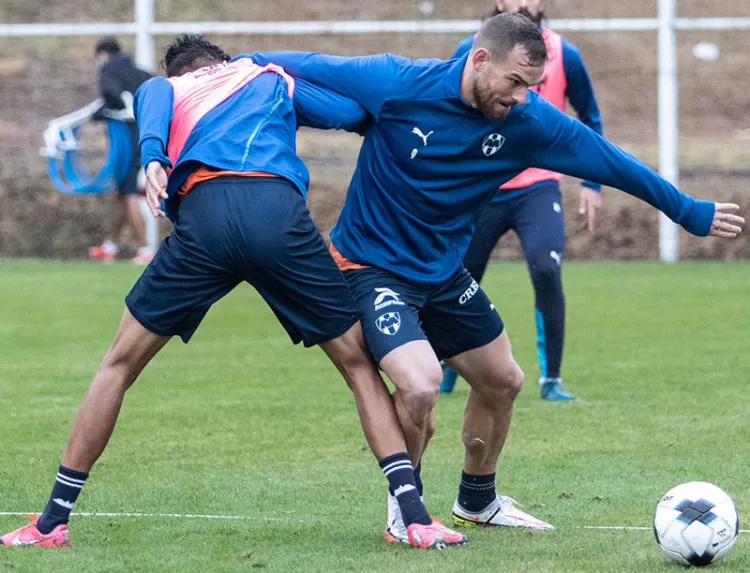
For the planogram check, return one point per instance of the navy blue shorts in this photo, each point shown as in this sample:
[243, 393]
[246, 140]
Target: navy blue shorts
[455, 316]
[252, 229]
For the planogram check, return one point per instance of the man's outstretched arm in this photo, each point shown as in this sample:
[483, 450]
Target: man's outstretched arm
[567, 146]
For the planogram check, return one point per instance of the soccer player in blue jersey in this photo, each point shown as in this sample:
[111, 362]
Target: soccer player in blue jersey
[218, 140]
[531, 204]
[444, 136]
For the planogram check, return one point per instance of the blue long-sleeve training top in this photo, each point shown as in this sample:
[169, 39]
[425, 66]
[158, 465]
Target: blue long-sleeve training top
[565, 79]
[430, 161]
[235, 117]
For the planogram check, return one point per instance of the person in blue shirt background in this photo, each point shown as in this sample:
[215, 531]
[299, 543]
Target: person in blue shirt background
[531, 204]
[444, 136]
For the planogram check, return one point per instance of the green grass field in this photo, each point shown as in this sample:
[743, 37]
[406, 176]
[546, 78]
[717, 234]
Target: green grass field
[241, 423]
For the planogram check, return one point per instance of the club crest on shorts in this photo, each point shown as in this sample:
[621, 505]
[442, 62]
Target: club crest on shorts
[389, 323]
[492, 144]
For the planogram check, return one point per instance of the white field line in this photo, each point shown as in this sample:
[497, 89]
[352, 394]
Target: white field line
[261, 518]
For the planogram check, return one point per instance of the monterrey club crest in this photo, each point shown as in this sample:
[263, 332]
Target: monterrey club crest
[389, 323]
[492, 144]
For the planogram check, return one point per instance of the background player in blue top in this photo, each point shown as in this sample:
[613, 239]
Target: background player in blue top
[531, 203]
[444, 136]
[225, 131]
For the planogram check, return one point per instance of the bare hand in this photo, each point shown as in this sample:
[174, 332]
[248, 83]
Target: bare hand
[588, 202]
[726, 224]
[156, 187]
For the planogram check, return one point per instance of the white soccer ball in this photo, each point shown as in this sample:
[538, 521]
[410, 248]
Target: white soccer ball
[696, 523]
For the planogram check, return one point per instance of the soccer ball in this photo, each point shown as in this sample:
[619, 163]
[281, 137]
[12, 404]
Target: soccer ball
[696, 523]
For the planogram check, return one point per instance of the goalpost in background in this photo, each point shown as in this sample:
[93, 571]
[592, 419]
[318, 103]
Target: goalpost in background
[666, 24]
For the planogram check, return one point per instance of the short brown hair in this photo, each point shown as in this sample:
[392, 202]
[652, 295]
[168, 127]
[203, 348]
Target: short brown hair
[500, 34]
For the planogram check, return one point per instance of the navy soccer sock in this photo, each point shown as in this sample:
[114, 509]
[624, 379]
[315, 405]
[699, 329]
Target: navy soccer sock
[418, 478]
[68, 485]
[476, 492]
[401, 483]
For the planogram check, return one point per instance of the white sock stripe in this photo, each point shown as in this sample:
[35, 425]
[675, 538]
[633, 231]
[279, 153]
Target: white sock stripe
[65, 482]
[398, 463]
[389, 472]
[70, 479]
[398, 468]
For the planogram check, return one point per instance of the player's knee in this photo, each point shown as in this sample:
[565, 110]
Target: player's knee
[419, 402]
[545, 271]
[505, 385]
[419, 391]
[514, 379]
[118, 369]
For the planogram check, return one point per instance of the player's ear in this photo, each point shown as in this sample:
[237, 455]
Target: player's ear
[480, 57]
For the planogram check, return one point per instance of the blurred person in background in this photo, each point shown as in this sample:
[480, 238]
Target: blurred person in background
[531, 204]
[117, 74]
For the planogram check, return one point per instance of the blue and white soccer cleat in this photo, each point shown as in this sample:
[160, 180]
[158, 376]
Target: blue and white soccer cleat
[552, 389]
[449, 379]
[500, 513]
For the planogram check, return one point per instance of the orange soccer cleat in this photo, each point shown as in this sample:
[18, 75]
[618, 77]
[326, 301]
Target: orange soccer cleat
[433, 536]
[30, 535]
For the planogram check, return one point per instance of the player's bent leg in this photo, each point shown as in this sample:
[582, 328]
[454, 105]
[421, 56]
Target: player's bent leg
[415, 371]
[390, 323]
[495, 379]
[133, 347]
[383, 432]
[374, 402]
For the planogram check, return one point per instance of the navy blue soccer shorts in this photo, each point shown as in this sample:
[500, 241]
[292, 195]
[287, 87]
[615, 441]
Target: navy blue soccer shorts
[252, 229]
[454, 317]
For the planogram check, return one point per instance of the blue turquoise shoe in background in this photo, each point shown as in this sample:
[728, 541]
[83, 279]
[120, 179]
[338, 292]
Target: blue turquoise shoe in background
[550, 389]
[449, 379]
